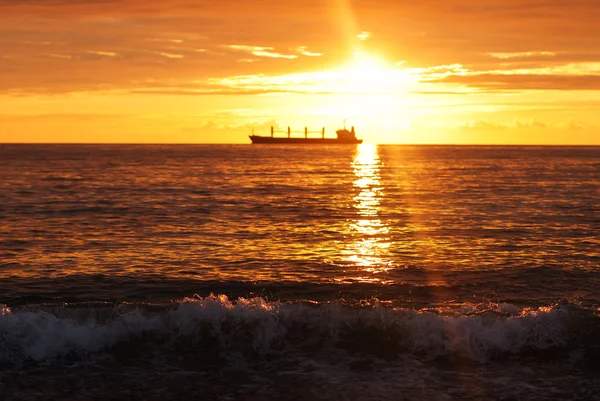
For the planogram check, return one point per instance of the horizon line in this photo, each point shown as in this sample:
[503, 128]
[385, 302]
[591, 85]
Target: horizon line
[300, 145]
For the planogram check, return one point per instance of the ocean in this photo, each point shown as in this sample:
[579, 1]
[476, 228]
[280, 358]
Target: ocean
[251, 272]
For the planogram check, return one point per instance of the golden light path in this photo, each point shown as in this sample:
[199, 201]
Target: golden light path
[369, 251]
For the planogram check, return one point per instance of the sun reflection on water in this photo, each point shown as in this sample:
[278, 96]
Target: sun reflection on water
[369, 250]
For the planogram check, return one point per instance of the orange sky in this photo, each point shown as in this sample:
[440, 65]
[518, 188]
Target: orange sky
[453, 71]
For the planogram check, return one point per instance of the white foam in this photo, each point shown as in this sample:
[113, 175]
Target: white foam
[41, 335]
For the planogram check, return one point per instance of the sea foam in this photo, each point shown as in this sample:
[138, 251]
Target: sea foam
[258, 327]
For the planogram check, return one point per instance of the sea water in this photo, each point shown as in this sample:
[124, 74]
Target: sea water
[309, 273]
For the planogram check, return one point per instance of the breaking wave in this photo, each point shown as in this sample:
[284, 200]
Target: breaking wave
[216, 328]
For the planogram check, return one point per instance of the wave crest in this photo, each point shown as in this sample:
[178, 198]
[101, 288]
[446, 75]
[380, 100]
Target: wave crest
[255, 327]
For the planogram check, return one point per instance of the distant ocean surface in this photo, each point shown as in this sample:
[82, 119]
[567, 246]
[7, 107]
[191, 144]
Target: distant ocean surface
[257, 272]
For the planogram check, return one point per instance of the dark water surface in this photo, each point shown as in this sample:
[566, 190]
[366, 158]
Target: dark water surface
[389, 272]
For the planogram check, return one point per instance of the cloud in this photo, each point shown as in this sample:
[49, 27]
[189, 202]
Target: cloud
[363, 35]
[527, 82]
[520, 55]
[483, 125]
[576, 125]
[268, 51]
[302, 50]
[170, 55]
[262, 51]
[103, 53]
[125, 44]
[575, 76]
[62, 56]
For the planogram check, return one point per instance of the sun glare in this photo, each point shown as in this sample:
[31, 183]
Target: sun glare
[369, 74]
[371, 90]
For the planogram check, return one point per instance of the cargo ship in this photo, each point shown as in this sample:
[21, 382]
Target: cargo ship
[343, 136]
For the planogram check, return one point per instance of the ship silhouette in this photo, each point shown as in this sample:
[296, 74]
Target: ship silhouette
[343, 136]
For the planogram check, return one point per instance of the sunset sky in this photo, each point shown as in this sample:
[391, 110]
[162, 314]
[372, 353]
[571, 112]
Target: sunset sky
[199, 71]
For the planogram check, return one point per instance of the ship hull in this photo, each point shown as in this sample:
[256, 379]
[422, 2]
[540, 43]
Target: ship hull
[302, 141]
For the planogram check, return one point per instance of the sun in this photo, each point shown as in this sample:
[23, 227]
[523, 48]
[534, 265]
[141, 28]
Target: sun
[371, 91]
[368, 74]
